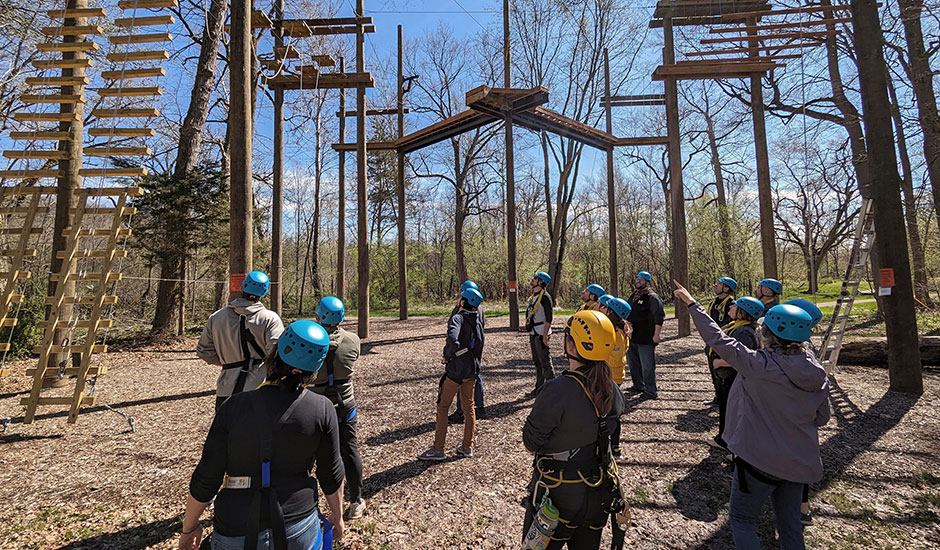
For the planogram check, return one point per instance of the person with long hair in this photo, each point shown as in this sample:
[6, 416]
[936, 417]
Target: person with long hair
[775, 409]
[568, 430]
[262, 445]
[617, 310]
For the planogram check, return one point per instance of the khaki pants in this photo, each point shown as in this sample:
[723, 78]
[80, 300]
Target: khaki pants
[448, 391]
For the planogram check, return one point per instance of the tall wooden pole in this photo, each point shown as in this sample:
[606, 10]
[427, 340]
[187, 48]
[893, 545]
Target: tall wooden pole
[277, 210]
[680, 250]
[240, 127]
[70, 181]
[402, 252]
[614, 284]
[510, 186]
[341, 229]
[768, 239]
[361, 189]
[904, 367]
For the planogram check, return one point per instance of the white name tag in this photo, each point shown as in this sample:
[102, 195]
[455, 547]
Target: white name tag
[238, 483]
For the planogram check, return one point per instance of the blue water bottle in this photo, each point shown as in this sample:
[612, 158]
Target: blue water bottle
[327, 528]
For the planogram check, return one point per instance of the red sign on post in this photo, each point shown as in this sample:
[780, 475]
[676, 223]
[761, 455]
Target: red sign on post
[512, 286]
[235, 281]
[886, 277]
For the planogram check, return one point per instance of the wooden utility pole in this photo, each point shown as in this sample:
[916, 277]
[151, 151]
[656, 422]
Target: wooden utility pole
[70, 181]
[240, 127]
[510, 186]
[277, 210]
[341, 230]
[680, 251]
[362, 201]
[402, 252]
[614, 285]
[904, 367]
[764, 198]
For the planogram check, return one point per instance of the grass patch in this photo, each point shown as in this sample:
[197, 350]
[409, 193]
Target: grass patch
[924, 479]
[640, 495]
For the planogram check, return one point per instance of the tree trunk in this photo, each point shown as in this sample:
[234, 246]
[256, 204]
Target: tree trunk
[241, 127]
[922, 79]
[921, 291]
[318, 176]
[169, 297]
[724, 224]
[904, 366]
[460, 217]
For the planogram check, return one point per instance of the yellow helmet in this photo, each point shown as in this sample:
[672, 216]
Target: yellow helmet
[593, 334]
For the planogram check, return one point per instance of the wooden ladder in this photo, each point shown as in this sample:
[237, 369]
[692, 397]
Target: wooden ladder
[96, 245]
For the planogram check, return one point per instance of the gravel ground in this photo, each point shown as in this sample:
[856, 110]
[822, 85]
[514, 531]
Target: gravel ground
[96, 484]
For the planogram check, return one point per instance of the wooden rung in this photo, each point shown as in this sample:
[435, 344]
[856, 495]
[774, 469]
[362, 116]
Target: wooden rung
[74, 348]
[22, 211]
[84, 46]
[116, 151]
[93, 254]
[101, 323]
[141, 38]
[147, 4]
[71, 30]
[53, 98]
[122, 232]
[111, 277]
[133, 73]
[86, 400]
[126, 22]
[77, 13]
[37, 81]
[48, 155]
[31, 174]
[8, 322]
[271, 64]
[41, 136]
[130, 92]
[122, 113]
[83, 192]
[19, 231]
[43, 64]
[16, 299]
[107, 211]
[112, 172]
[52, 372]
[4, 372]
[286, 52]
[155, 55]
[121, 132]
[10, 252]
[16, 274]
[5, 347]
[46, 117]
[86, 301]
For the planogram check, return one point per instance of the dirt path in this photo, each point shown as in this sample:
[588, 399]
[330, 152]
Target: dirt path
[97, 485]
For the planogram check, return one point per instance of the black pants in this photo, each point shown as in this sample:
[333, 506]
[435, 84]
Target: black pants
[352, 461]
[724, 378]
[542, 357]
[581, 506]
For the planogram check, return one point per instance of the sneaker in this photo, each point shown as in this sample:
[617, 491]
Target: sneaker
[634, 389]
[455, 418]
[717, 442]
[480, 413]
[532, 394]
[355, 510]
[616, 452]
[806, 519]
[649, 396]
[709, 403]
[432, 455]
[464, 452]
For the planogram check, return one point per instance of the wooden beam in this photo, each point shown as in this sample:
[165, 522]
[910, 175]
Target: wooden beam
[153, 55]
[34, 154]
[52, 98]
[46, 117]
[632, 97]
[40, 136]
[37, 81]
[84, 46]
[44, 64]
[324, 60]
[116, 151]
[121, 132]
[30, 174]
[147, 4]
[126, 39]
[121, 113]
[324, 81]
[809, 35]
[785, 11]
[71, 30]
[352, 29]
[375, 112]
[775, 26]
[127, 74]
[755, 49]
[76, 13]
[684, 9]
[127, 22]
[372, 146]
[130, 91]
[113, 172]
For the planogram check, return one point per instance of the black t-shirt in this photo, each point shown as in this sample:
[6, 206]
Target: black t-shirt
[646, 312]
[308, 438]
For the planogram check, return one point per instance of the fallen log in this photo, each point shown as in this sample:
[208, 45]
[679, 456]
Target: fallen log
[873, 351]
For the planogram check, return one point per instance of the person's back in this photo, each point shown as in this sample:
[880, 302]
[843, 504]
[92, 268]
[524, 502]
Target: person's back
[340, 363]
[464, 346]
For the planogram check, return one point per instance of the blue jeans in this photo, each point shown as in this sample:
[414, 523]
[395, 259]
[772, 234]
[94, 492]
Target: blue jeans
[302, 535]
[642, 361]
[477, 395]
[746, 507]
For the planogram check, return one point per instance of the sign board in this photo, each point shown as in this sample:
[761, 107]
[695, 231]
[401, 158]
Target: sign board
[884, 291]
[512, 286]
[886, 277]
[235, 282]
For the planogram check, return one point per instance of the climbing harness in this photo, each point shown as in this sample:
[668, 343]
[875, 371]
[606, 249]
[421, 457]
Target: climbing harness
[246, 339]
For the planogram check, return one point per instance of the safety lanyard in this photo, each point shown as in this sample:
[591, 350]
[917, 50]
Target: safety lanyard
[535, 309]
[729, 329]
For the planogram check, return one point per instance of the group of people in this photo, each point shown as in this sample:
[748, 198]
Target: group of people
[771, 393]
[262, 445]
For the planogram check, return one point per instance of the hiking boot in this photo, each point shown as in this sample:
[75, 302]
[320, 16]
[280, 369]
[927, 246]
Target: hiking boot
[480, 413]
[806, 519]
[616, 452]
[717, 442]
[464, 452]
[455, 418]
[646, 396]
[710, 403]
[355, 510]
[432, 455]
[634, 389]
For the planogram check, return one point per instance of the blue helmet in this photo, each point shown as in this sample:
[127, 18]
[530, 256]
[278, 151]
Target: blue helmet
[619, 306]
[774, 285]
[596, 289]
[472, 296]
[645, 275]
[256, 283]
[331, 310]
[729, 282]
[468, 284]
[544, 277]
[809, 307]
[604, 299]
[752, 306]
[789, 322]
[303, 345]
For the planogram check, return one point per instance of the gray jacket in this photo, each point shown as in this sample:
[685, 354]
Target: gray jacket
[775, 407]
[220, 342]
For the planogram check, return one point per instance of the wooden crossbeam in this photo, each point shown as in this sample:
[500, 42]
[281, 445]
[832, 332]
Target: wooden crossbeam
[715, 69]
[85, 191]
[29, 402]
[786, 11]
[325, 81]
[124, 113]
[757, 49]
[27, 253]
[808, 35]
[375, 112]
[33, 154]
[56, 81]
[19, 231]
[130, 91]
[84, 46]
[776, 26]
[69, 371]
[14, 275]
[104, 323]
[147, 4]
[127, 74]
[76, 13]
[286, 52]
[41, 136]
[63, 99]
[31, 174]
[324, 60]
[44, 64]
[46, 117]
[295, 28]
[106, 210]
[141, 38]
[679, 9]
[85, 232]
[121, 132]
[112, 173]
[152, 55]
[71, 30]
[85, 301]
[116, 151]
[66, 349]
[370, 147]
[351, 29]
[20, 210]
[127, 22]
[90, 277]
[8, 322]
